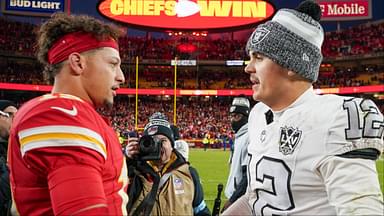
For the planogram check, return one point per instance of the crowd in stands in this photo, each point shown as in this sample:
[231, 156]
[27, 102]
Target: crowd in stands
[347, 77]
[357, 40]
[196, 117]
[19, 38]
[30, 72]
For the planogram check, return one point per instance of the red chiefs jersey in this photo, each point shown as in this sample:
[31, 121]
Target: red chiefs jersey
[65, 159]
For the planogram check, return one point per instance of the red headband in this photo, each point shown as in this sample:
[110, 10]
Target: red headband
[76, 42]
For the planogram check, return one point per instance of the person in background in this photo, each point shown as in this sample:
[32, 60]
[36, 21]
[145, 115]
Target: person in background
[165, 186]
[183, 148]
[237, 179]
[64, 158]
[180, 145]
[309, 154]
[206, 141]
[7, 111]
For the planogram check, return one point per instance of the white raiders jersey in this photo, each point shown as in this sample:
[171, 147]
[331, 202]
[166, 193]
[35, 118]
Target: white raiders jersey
[285, 155]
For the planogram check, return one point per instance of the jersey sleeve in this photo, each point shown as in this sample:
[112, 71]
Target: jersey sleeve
[352, 183]
[62, 141]
[352, 186]
[357, 124]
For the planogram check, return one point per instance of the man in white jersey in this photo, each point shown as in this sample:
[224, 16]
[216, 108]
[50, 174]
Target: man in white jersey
[309, 154]
[237, 179]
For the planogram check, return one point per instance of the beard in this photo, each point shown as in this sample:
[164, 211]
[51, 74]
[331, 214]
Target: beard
[108, 104]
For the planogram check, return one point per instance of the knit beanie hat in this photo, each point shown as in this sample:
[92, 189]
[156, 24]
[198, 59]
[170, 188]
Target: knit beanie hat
[158, 124]
[292, 39]
[240, 105]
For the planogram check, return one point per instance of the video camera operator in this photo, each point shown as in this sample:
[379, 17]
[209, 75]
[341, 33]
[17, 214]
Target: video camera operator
[162, 183]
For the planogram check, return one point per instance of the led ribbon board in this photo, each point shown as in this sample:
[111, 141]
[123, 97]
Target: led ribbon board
[187, 14]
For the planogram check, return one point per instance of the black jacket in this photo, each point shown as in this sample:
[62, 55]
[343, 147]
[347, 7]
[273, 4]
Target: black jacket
[5, 191]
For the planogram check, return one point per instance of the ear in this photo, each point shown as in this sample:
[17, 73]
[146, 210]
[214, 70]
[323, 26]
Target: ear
[76, 62]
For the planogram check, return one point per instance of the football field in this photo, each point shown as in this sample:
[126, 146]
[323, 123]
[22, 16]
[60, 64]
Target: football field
[213, 169]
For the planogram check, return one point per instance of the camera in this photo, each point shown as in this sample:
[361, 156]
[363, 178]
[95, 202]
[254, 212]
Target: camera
[149, 148]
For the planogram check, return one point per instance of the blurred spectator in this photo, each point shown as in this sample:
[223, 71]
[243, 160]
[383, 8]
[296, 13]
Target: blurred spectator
[7, 111]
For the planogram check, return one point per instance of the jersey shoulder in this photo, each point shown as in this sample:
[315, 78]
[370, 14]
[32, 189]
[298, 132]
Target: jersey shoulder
[54, 109]
[53, 119]
[357, 123]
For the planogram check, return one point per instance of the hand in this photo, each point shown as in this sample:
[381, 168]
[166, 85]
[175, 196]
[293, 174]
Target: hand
[132, 148]
[226, 205]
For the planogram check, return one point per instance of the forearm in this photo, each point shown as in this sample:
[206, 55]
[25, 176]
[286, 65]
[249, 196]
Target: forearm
[352, 186]
[241, 187]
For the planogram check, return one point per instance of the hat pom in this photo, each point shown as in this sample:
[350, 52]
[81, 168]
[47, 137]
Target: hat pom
[158, 115]
[310, 8]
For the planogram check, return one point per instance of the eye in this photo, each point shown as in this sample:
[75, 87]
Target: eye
[258, 57]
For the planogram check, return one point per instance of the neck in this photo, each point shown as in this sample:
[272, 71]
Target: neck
[67, 83]
[290, 95]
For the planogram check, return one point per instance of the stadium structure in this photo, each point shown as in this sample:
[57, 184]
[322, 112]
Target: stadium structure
[192, 74]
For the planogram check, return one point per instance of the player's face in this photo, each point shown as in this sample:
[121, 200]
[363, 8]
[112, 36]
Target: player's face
[6, 117]
[166, 148]
[269, 80]
[103, 76]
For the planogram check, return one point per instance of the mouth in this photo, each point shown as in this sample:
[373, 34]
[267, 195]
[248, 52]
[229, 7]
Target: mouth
[114, 89]
[255, 81]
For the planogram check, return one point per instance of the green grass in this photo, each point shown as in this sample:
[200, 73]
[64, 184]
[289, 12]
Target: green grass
[380, 170]
[213, 169]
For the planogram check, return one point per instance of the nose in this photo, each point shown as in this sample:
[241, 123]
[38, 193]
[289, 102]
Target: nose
[120, 76]
[250, 68]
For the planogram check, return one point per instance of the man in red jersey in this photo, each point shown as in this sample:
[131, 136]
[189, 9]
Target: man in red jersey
[64, 158]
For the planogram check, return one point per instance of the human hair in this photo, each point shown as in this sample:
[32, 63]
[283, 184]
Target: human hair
[61, 24]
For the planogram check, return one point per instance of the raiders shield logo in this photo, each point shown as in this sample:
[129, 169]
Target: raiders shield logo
[289, 138]
[259, 35]
[153, 130]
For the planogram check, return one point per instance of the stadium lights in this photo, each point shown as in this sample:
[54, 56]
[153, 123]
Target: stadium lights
[192, 34]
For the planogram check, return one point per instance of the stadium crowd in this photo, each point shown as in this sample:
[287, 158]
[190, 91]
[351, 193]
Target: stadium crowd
[196, 119]
[362, 39]
[29, 72]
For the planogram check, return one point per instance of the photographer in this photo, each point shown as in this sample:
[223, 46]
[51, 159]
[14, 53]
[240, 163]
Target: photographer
[162, 183]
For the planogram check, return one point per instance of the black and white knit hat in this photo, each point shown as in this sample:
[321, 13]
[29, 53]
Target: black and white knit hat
[158, 124]
[292, 39]
[240, 105]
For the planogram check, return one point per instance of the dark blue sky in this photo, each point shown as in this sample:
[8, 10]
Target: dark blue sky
[89, 7]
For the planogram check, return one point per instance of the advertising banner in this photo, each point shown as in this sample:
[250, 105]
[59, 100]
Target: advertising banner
[339, 10]
[33, 7]
[187, 14]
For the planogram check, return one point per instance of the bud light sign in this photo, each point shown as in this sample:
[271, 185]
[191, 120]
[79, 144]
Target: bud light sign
[33, 7]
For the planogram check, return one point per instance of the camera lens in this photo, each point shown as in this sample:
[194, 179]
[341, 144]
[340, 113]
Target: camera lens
[149, 148]
[146, 144]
